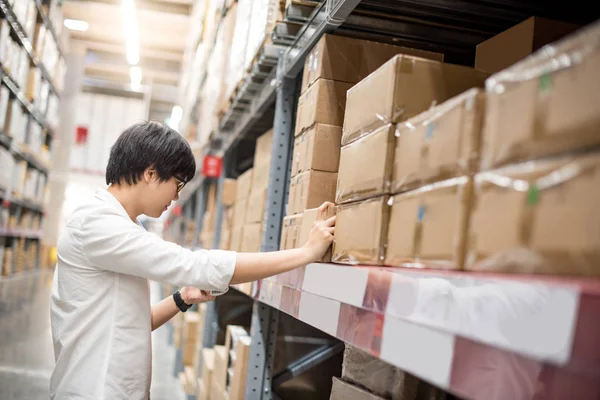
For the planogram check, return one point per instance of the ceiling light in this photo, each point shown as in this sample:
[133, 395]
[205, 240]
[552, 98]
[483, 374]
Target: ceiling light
[135, 74]
[130, 28]
[76, 25]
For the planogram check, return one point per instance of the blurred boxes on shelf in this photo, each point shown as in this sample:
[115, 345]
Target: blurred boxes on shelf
[323, 103]
[290, 232]
[256, 206]
[309, 217]
[519, 41]
[237, 52]
[192, 336]
[244, 185]
[402, 88]
[440, 143]
[229, 195]
[221, 354]
[428, 226]
[237, 344]
[366, 166]
[251, 237]
[264, 15]
[361, 232]
[345, 59]
[310, 189]
[318, 148]
[547, 104]
[346, 391]
[206, 377]
[538, 217]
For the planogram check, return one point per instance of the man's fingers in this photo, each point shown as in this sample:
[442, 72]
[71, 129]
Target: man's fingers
[322, 210]
[331, 230]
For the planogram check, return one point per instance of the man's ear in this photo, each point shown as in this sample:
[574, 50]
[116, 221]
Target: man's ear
[149, 175]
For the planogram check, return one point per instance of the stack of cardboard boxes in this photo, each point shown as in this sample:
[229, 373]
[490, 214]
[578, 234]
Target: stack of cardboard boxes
[443, 188]
[228, 198]
[224, 368]
[191, 331]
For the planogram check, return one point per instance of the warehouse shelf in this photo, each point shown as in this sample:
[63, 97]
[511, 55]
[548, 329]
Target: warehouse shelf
[10, 83]
[453, 328]
[44, 18]
[27, 204]
[33, 160]
[20, 233]
[25, 43]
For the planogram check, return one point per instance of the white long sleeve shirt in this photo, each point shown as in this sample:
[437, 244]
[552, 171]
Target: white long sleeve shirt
[100, 303]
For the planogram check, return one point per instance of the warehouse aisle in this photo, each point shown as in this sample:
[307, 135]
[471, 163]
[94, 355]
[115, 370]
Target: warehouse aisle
[26, 355]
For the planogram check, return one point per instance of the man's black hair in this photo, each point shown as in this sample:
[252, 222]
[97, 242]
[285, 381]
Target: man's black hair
[149, 144]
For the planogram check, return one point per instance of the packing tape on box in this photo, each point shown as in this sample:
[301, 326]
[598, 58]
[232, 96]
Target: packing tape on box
[363, 190]
[524, 258]
[463, 186]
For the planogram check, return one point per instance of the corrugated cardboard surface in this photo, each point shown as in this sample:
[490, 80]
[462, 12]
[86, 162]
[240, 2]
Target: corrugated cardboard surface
[428, 226]
[379, 377]
[239, 215]
[260, 178]
[251, 238]
[221, 357]
[310, 189]
[236, 238]
[350, 60]
[293, 230]
[256, 206]
[440, 143]
[402, 88]
[263, 150]
[534, 110]
[366, 166]
[345, 391]
[318, 148]
[361, 232]
[323, 103]
[244, 186]
[229, 195]
[551, 225]
[309, 217]
[519, 41]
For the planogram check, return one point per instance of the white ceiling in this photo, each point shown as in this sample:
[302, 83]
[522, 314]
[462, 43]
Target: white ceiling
[163, 31]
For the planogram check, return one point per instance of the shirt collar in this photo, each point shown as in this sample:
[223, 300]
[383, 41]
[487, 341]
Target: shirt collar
[108, 198]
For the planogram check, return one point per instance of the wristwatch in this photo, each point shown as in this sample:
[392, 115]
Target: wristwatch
[180, 303]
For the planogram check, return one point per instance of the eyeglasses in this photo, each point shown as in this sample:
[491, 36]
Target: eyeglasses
[181, 184]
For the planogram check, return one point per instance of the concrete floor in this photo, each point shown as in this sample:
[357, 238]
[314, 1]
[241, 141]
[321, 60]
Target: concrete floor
[26, 355]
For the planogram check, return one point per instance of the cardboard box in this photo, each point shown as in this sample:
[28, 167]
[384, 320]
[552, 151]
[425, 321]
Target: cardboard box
[239, 215]
[428, 226]
[366, 166]
[440, 143]
[208, 368]
[237, 387]
[290, 231]
[263, 149]
[203, 394]
[546, 105]
[519, 41]
[236, 239]
[345, 59]
[538, 217]
[310, 189]
[225, 241]
[323, 103]
[251, 238]
[192, 336]
[244, 185]
[309, 217]
[260, 179]
[257, 204]
[318, 148]
[345, 391]
[229, 192]
[361, 232]
[211, 199]
[217, 392]
[221, 357]
[402, 88]
[379, 377]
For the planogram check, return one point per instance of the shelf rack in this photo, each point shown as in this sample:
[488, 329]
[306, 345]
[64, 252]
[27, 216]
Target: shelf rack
[480, 336]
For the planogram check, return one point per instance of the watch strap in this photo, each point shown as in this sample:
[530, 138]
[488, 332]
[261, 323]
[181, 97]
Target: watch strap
[179, 302]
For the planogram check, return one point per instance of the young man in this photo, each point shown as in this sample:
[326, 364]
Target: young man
[100, 306]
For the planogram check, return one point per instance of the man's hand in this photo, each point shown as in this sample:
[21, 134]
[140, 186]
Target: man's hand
[321, 234]
[192, 295]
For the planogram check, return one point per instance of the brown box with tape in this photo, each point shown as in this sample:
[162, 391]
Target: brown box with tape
[310, 189]
[440, 143]
[318, 148]
[251, 237]
[545, 105]
[290, 231]
[538, 217]
[361, 232]
[366, 166]
[402, 88]
[428, 226]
